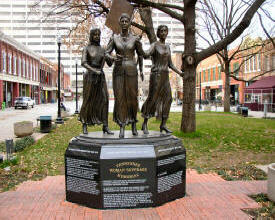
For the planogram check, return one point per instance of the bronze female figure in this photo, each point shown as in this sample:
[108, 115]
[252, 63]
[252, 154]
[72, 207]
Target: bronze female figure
[125, 75]
[94, 109]
[159, 98]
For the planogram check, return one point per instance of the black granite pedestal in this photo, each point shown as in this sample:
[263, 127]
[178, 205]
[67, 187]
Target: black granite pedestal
[104, 171]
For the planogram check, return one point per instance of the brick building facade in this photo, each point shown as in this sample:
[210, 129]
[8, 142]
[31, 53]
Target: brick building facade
[25, 73]
[19, 74]
[212, 79]
[249, 65]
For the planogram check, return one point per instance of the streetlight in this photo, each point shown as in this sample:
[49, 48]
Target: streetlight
[76, 101]
[59, 119]
[200, 92]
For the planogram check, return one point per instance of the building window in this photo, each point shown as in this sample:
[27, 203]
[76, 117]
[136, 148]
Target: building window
[236, 69]
[204, 76]
[256, 98]
[37, 73]
[10, 63]
[34, 72]
[267, 63]
[214, 73]
[4, 62]
[31, 71]
[245, 66]
[209, 75]
[248, 98]
[27, 69]
[219, 72]
[14, 65]
[259, 61]
[19, 66]
[24, 68]
[254, 63]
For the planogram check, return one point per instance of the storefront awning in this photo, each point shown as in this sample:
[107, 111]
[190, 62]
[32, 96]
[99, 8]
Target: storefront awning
[264, 83]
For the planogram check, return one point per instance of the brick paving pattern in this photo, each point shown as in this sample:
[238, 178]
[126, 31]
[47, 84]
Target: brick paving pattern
[208, 197]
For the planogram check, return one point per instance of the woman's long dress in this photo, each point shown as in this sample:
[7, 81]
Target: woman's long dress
[125, 78]
[94, 109]
[160, 97]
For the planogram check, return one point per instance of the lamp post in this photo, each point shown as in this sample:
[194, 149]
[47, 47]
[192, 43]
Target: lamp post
[200, 92]
[76, 98]
[59, 119]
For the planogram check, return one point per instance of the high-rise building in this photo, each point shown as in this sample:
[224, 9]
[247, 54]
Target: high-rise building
[20, 21]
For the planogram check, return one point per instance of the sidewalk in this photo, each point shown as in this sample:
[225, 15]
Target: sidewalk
[254, 114]
[208, 197]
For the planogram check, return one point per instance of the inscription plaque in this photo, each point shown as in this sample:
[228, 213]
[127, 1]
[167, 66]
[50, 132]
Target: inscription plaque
[126, 177]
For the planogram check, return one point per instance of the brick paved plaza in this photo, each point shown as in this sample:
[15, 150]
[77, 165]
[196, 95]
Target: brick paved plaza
[208, 197]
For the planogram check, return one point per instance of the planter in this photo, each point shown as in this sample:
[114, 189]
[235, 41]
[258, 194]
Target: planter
[271, 182]
[23, 128]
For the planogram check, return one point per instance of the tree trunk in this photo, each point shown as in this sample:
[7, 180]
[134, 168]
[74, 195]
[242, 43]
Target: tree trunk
[226, 102]
[188, 122]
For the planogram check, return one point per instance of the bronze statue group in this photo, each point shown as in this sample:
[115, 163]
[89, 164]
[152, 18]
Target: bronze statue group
[95, 104]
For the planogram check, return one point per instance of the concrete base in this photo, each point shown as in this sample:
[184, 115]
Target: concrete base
[271, 182]
[106, 172]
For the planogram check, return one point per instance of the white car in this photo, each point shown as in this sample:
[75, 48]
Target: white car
[23, 102]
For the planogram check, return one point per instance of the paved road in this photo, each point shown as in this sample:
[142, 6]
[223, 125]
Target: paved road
[9, 116]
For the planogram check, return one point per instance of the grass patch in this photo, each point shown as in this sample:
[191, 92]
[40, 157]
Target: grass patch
[267, 211]
[22, 143]
[196, 134]
[2, 146]
[224, 142]
[241, 172]
[7, 163]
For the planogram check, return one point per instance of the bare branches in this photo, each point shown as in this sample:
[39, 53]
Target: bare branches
[241, 78]
[264, 29]
[158, 6]
[234, 34]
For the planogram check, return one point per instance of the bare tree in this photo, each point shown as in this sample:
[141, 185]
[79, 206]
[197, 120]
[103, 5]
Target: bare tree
[191, 57]
[220, 23]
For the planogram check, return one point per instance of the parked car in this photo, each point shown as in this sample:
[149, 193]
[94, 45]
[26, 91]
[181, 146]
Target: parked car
[23, 102]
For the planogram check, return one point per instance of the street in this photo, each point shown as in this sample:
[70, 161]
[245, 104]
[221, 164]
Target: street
[9, 116]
